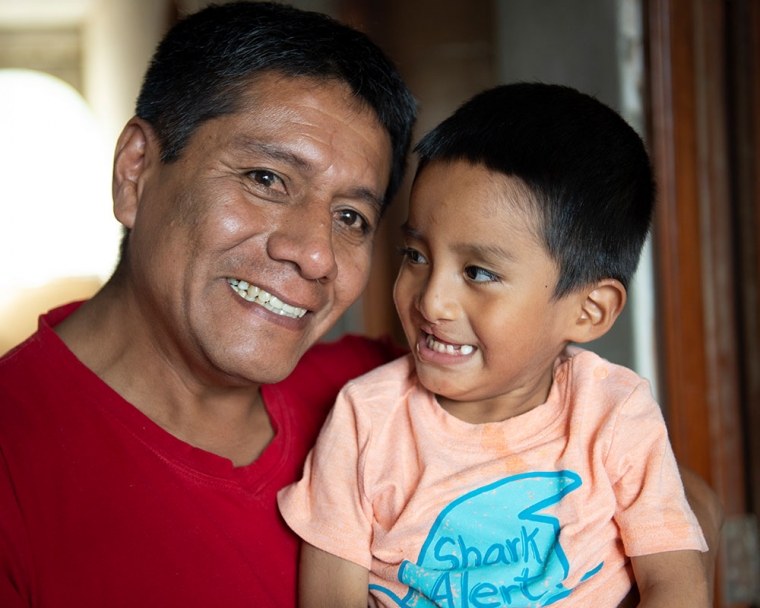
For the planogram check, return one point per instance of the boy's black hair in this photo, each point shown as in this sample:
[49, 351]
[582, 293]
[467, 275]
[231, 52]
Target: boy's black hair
[202, 67]
[587, 169]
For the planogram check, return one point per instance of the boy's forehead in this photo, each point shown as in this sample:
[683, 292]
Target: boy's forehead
[463, 213]
[473, 189]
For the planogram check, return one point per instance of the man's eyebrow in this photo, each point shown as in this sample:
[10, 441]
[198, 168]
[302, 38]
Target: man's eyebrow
[277, 152]
[271, 150]
[365, 194]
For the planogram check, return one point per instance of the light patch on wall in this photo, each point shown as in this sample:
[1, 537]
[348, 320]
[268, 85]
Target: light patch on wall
[55, 203]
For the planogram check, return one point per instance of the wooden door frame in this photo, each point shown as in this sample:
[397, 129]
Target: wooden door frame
[704, 68]
[693, 240]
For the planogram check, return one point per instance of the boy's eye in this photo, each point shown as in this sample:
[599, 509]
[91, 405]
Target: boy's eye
[479, 275]
[267, 179]
[414, 256]
[354, 220]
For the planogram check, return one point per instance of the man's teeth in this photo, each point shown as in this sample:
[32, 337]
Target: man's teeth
[449, 349]
[264, 298]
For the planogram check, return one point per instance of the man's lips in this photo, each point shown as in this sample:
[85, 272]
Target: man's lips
[256, 294]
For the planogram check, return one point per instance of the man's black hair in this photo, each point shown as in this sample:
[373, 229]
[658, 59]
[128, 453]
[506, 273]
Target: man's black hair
[202, 68]
[587, 169]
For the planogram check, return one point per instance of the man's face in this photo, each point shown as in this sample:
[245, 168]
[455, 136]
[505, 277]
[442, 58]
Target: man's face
[247, 249]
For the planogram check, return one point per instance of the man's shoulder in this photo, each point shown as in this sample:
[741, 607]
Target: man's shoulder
[327, 366]
[39, 371]
[348, 357]
[24, 362]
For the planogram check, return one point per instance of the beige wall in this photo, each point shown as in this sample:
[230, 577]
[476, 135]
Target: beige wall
[19, 316]
[108, 47]
[118, 39]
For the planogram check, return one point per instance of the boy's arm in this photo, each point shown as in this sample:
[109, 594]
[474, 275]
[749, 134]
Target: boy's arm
[328, 581]
[706, 506]
[672, 579]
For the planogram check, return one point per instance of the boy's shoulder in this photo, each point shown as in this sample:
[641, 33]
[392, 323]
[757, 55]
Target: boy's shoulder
[381, 391]
[605, 395]
[397, 377]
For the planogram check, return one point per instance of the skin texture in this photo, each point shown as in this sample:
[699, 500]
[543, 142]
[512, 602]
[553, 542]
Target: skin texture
[475, 273]
[348, 581]
[706, 506]
[674, 579]
[285, 195]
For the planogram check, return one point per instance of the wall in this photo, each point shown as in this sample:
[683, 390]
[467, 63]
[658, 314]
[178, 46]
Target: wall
[118, 39]
[594, 46]
[101, 48]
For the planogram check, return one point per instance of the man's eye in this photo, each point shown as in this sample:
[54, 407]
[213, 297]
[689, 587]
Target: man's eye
[354, 220]
[414, 256]
[267, 179]
[479, 275]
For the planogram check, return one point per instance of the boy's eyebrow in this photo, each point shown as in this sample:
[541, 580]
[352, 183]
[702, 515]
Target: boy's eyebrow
[407, 230]
[485, 251]
[475, 249]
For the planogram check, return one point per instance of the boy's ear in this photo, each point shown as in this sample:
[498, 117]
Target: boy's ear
[599, 307]
[136, 152]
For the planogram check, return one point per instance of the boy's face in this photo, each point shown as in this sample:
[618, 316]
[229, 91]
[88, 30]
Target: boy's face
[474, 293]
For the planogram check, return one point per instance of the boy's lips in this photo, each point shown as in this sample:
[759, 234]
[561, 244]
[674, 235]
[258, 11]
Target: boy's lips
[447, 348]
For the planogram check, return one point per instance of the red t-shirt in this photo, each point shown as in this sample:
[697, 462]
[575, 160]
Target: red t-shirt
[99, 506]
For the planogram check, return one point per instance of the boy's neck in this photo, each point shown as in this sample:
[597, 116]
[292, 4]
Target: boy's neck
[502, 407]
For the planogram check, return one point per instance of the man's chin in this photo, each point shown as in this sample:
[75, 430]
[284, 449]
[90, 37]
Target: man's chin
[266, 366]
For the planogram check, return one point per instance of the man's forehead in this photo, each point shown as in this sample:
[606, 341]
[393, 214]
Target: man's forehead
[263, 88]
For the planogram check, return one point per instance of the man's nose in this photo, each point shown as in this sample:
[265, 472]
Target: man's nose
[304, 238]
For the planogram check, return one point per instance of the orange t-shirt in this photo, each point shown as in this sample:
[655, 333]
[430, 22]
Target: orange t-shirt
[524, 512]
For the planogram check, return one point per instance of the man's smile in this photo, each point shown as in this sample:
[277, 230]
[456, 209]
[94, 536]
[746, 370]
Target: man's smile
[253, 293]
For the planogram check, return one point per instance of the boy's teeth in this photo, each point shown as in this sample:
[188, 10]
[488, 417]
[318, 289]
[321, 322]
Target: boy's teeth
[449, 349]
[252, 293]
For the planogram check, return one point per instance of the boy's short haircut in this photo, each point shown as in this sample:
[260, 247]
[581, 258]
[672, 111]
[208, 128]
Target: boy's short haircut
[587, 169]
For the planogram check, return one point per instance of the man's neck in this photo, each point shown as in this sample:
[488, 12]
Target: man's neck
[220, 417]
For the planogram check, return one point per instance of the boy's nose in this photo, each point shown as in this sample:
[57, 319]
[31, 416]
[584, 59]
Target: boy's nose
[437, 300]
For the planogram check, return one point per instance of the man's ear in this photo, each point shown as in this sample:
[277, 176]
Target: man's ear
[136, 152]
[599, 307]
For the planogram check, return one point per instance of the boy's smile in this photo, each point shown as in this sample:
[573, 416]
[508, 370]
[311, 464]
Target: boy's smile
[475, 293]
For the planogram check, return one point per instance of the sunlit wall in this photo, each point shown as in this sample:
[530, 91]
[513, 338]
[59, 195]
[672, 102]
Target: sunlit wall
[56, 221]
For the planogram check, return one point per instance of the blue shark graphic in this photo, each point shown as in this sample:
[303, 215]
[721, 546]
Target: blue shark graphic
[494, 547]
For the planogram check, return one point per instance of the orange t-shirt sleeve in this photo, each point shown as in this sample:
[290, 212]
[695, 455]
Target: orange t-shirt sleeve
[652, 511]
[327, 508]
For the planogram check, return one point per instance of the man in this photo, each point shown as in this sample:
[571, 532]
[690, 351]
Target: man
[141, 452]
[145, 433]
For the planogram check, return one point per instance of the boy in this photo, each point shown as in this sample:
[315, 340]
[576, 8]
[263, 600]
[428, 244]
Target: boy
[497, 465]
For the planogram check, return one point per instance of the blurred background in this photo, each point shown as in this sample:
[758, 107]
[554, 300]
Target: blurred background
[684, 73]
